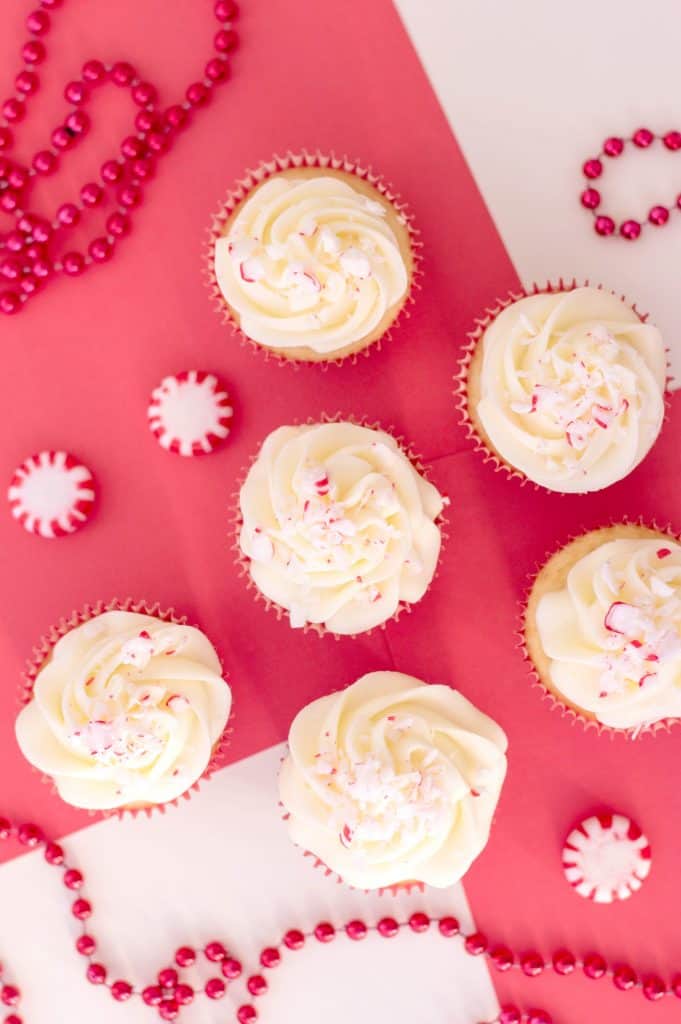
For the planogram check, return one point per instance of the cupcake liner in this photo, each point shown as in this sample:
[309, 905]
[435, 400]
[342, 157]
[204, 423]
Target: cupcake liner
[44, 647]
[242, 562]
[473, 337]
[289, 161]
[571, 712]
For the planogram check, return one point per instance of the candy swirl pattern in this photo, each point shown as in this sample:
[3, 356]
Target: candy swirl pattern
[125, 712]
[613, 633]
[311, 262]
[571, 388]
[338, 525]
[393, 780]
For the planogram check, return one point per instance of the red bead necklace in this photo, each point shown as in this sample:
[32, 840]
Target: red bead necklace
[168, 993]
[593, 168]
[34, 250]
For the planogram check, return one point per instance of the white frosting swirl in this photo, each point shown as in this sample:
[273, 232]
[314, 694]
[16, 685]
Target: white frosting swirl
[393, 780]
[613, 632]
[310, 262]
[338, 525]
[125, 712]
[571, 388]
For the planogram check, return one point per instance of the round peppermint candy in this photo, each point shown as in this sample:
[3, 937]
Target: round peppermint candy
[190, 413]
[606, 858]
[51, 494]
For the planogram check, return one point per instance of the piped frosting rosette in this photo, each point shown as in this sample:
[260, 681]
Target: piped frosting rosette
[565, 387]
[312, 258]
[393, 780]
[124, 710]
[605, 628]
[338, 528]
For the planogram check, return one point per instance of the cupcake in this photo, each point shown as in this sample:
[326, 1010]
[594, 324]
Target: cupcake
[603, 627]
[125, 711]
[313, 263]
[566, 388]
[337, 527]
[393, 780]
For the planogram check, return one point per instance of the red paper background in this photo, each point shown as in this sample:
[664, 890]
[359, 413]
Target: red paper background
[78, 369]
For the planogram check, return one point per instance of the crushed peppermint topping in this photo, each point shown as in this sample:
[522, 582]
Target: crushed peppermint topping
[139, 651]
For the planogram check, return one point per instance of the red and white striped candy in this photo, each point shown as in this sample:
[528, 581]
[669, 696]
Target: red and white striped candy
[190, 413]
[606, 858]
[51, 494]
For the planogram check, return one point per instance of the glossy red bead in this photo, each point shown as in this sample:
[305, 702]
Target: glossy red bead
[168, 1009]
[100, 249]
[594, 966]
[73, 879]
[226, 40]
[270, 957]
[231, 968]
[356, 930]
[93, 71]
[324, 932]
[158, 142]
[13, 1018]
[27, 82]
[564, 962]
[45, 162]
[604, 225]
[256, 985]
[501, 957]
[42, 232]
[592, 168]
[10, 303]
[167, 978]
[630, 229]
[387, 927]
[30, 284]
[10, 995]
[130, 196]
[14, 110]
[653, 987]
[185, 956]
[5, 828]
[532, 964]
[86, 945]
[197, 94]
[144, 169]
[41, 267]
[184, 994]
[76, 92]
[11, 268]
[613, 146]
[29, 835]
[62, 138]
[419, 922]
[15, 242]
[9, 202]
[6, 138]
[225, 10]
[448, 926]
[215, 952]
[68, 214]
[675, 985]
[215, 988]
[147, 121]
[131, 148]
[53, 851]
[18, 178]
[538, 1017]
[643, 138]
[659, 215]
[176, 116]
[246, 1014]
[476, 944]
[510, 1015]
[91, 194]
[78, 122]
[672, 140]
[96, 974]
[294, 939]
[590, 198]
[624, 977]
[121, 991]
[144, 94]
[38, 22]
[51, 5]
[81, 909]
[122, 73]
[152, 995]
[216, 70]
[111, 172]
[34, 52]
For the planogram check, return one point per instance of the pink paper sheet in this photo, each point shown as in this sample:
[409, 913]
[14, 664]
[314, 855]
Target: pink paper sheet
[78, 369]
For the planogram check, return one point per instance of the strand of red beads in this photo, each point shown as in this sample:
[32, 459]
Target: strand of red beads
[593, 169]
[33, 251]
[167, 994]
